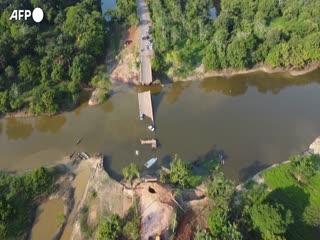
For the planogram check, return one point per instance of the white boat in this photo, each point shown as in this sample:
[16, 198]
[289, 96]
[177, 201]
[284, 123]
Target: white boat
[151, 128]
[141, 116]
[150, 162]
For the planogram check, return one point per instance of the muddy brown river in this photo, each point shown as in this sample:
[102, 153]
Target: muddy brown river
[256, 119]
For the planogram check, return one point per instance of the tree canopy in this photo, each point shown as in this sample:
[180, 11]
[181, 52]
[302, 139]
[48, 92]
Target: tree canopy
[17, 200]
[245, 33]
[43, 66]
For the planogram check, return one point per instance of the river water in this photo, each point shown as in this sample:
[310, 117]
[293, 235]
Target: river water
[256, 119]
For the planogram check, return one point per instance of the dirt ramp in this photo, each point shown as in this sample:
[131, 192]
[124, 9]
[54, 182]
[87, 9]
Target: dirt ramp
[157, 210]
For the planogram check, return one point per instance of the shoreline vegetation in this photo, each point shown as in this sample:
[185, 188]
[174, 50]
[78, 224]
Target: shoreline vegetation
[170, 57]
[47, 75]
[200, 74]
[245, 36]
[44, 67]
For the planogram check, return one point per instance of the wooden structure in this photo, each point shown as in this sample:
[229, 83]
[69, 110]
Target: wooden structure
[152, 142]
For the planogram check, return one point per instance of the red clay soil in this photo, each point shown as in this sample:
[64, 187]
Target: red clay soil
[186, 229]
[189, 223]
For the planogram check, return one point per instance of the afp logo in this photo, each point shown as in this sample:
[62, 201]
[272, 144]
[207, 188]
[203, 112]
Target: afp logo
[37, 15]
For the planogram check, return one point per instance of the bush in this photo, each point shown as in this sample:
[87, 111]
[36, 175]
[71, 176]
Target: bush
[270, 220]
[130, 172]
[109, 228]
[217, 220]
[304, 167]
[220, 190]
[180, 172]
[220, 227]
[131, 230]
[132, 226]
[17, 200]
[202, 235]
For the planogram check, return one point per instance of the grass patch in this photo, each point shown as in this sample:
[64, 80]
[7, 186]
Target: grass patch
[302, 199]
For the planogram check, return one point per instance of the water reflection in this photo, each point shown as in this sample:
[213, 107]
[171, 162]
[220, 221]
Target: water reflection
[107, 107]
[50, 124]
[228, 87]
[175, 91]
[263, 82]
[18, 129]
[154, 89]
[253, 129]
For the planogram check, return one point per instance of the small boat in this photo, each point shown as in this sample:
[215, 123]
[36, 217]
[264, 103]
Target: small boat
[151, 128]
[150, 162]
[79, 141]
[141, 116]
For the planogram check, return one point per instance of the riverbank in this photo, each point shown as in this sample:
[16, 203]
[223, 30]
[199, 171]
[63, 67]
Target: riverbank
[163, 208]
[314, 148]
[124, 66]
[290, 188]
[200, 73]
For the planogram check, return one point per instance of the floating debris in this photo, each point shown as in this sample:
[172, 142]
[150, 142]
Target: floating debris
[151, 128]
[152, 142]
[79, 141]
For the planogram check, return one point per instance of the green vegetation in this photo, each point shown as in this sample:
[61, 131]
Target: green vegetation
[299, 196]
[181, 174]
[221, 193]
[43, 66]
[18, 199]
[113, 227]
[285, 206]
[109, 228]
[202, 235]
[245, 33]
[131, 228]
[268, 219]
[85, 228]
[130, 172]
[125, 11]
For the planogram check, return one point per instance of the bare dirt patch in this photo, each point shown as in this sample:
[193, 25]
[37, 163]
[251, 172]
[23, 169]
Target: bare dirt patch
[157, 208]
[102, 196]
[125, 66]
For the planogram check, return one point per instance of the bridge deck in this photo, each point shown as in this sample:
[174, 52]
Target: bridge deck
[145, 51]
[145, 104]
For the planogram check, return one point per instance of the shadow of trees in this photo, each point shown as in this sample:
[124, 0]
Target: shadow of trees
[252, 169]
[295, 199]
[107, 165]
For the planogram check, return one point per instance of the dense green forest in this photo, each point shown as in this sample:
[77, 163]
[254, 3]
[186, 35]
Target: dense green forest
[277, 33]
[43, 66]
[18, 198]
[125, 12]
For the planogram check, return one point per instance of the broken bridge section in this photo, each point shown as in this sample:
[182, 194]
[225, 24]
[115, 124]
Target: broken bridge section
[145, 104]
